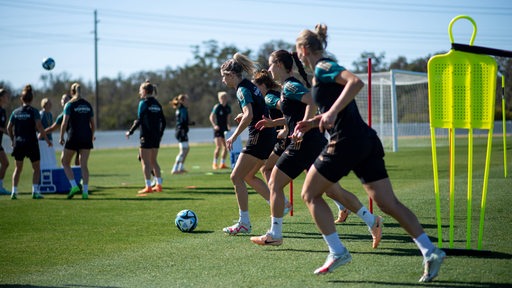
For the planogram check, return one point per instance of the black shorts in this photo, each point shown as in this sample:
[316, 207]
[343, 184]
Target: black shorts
[149, 142]
[181, 135]
[78, 145]
[32, 152]
[281, 145]
[300, 155]
[260, 143]
[365, 158]
[218, 133]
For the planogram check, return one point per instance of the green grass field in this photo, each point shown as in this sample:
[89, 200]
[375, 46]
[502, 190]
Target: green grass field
[116, 239]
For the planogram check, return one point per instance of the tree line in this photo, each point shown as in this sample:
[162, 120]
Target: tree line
[201, 80]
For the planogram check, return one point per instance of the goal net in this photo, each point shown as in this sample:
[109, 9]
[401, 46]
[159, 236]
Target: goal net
[399, 107]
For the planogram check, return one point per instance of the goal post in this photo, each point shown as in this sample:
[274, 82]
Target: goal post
[399, 105]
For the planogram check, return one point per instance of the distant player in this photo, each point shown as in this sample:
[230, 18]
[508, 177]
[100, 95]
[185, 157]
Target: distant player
[151, 120]
[219, 118]
[22, 127]
[79, 125]
[4, 161]
[179, 103]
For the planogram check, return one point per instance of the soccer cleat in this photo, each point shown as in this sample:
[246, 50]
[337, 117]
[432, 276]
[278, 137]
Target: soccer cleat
[214, 166]
[432, 264]
[223, 166]
[342, 216]
[14, 196]
[73, 191]
[85, 196]
[157, 188]
[239, 227]
[3, 191]
[287, 208]
[37, 196]
[267, 240]
[334, 261]
[376, 231]
[146, 190]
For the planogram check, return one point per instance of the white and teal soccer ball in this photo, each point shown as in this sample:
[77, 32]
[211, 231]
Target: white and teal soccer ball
[48, 63]
[186, 220]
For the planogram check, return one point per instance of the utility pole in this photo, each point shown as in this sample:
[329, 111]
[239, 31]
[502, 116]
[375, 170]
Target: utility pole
[97, 99]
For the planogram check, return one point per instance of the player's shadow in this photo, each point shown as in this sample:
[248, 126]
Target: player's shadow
[436, 283]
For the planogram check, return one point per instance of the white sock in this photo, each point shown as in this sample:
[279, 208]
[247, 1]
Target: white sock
[334, 243]
[367, 216]
[215, 161]
[244, 217]
[424, 244]
[85, 188]
[180, 166]
[222, 161]
[35, 188]
[175, 167]
[276, 227]
[159, 180]
[148, 182]
[14, 190]
[73, 183]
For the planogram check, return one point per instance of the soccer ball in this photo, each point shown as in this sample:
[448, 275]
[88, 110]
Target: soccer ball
[48, 63]
[186, 220]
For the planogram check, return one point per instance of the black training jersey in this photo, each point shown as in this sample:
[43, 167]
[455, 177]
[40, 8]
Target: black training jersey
[221, 113]
[79, 125]
[271, 99]
[24, 121]
[182, 118]
[291, 104]
[3, 122]
[151, 118]
[247, 93]
[326, 91]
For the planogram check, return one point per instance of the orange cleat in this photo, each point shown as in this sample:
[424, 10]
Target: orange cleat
[146, 190]
[342, 216]
[376, 231]
[157, 188]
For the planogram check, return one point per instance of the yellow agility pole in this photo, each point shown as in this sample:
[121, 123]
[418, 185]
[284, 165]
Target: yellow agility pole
[461, 88]
[504, 121]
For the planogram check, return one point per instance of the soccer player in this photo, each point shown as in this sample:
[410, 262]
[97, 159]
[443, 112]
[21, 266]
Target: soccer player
[258, 146]
[297, 105]
[219, 118]
[58, 122]
[48, 159]
[22, 127]
[4, 161]
[353, 146]
[78, 123]
[179, 103]
[150, 118]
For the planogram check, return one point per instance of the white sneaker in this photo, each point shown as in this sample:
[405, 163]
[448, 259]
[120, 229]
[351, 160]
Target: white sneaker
[239, 227]
[334, 261]
[432, 264]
